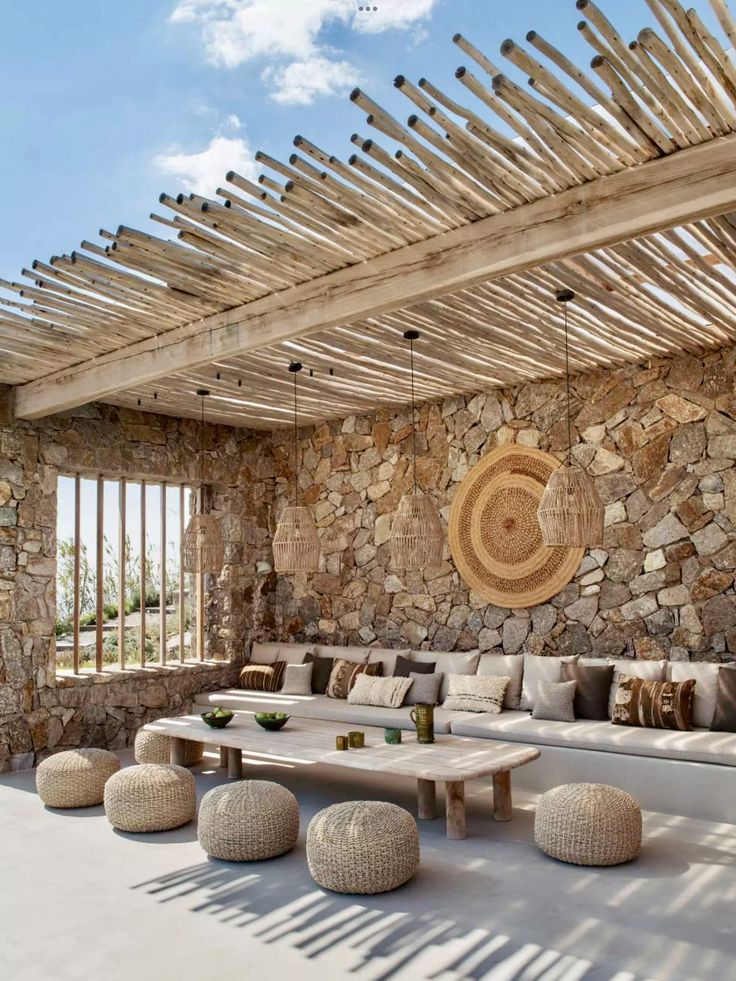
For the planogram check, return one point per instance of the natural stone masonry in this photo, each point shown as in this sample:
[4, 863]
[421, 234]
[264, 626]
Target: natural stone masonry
[39, 712]
[661, 443]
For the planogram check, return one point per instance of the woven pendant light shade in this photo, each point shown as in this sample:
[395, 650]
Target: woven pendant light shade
[417, 537]
[202, 549]
[296, 542]
[571, 511]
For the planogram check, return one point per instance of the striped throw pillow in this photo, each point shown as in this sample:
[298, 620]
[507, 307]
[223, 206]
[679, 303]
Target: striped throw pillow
[344, 673]
[262, 677]
[654, 704]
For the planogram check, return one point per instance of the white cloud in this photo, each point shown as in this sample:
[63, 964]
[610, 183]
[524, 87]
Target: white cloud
[300, 82]
[203, 172]
[289, 32]
[232, 122]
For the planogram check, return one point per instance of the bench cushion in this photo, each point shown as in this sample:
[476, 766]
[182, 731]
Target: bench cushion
[321, 707]
[699, 745]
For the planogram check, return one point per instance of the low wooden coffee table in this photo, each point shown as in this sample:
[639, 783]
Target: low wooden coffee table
[453, 760]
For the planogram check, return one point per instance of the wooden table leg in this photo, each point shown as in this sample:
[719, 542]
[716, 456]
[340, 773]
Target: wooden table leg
[223, 755]
[176, 751]
[235, 763]
[502, 796]
[426, 800]
[455, 808]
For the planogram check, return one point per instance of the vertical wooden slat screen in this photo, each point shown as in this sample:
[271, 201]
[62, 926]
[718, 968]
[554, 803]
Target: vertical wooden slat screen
[121, 572]
[77, 557]
[181, 573]
[142, 635]
[162, 592]
[100, 571]
[200, 594]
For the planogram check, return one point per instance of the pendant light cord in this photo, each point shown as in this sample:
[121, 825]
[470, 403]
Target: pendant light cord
[201, 459]
[413, 414]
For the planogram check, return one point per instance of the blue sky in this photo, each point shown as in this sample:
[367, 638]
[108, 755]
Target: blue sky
[110, 103]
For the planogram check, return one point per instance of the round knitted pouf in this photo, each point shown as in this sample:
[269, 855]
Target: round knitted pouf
[248, 820]
[76, 777]
[362, 846]
[154, 747]
[588, 824]
[150, 797]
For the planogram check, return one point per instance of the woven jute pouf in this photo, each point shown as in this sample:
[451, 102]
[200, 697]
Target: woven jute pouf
[150, 797]
[363, 847]
[76, 777]
[588, 824]
[154, 747]
[248, 820]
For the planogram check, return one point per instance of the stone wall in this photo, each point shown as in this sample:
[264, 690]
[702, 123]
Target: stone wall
[661, 442]
[38, 712]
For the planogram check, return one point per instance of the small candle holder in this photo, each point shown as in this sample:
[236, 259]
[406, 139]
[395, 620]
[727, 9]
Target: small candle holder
[356, 739]
[392, 736]
[341, 742]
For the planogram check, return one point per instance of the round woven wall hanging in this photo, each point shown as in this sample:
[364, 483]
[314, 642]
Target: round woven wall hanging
[494, 532]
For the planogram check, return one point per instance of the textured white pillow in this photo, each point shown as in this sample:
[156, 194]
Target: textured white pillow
[472, 693]
[706, 687]
[649, 670]
[297, 679]
[505, 665]
[383, 692]
[540, 668]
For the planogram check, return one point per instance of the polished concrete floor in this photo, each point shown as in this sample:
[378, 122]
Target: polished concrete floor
[81, 901]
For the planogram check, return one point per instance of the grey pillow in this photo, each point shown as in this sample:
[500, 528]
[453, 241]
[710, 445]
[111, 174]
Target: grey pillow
[554, 701]
[297, 679]
[593, 686]
[425, 689]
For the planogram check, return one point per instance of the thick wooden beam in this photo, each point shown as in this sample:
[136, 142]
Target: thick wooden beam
[697, 182]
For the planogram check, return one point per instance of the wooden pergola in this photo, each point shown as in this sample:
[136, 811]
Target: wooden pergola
[618, 182]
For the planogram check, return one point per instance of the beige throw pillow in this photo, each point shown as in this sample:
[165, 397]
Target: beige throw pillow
[297, 679]
[472, 693]
[383, 692]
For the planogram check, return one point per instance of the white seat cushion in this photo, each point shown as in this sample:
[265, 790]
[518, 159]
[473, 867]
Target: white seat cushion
[699, 746]
[320, 707]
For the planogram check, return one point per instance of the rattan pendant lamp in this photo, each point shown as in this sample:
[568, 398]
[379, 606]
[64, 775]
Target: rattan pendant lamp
[417, 537]
[570, 510]
[296, 542]
[202, 549]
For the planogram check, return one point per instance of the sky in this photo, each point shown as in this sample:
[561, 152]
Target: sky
[111, 103]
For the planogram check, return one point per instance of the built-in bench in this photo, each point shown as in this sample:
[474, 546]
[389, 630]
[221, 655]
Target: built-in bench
[692, 774]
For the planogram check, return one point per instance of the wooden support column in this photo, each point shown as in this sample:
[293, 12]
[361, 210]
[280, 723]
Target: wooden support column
[455, 809]
[502, 809]
[181, 573]
[426, 800]
[121, 572]
[100, 567]
[162, 587]
[235, 763]
[176, 751]
[142, 635]
[223, 756]
[77, 562]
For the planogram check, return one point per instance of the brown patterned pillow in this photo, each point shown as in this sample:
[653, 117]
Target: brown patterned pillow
[654, 704]
[344, 673]
[262, 677]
